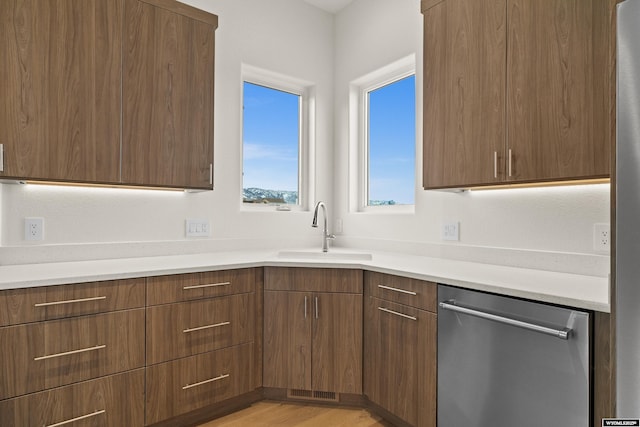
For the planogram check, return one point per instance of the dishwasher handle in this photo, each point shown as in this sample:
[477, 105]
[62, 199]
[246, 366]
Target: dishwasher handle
[563, 333]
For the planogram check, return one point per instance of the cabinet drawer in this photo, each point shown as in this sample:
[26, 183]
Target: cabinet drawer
[188, 328]
[184, 287]
[56, 302]
[187, 384]
[111, 401]
[403, 290]
[313, 279]
[43, 355]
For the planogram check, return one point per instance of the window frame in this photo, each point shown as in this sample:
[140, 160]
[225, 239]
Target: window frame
[359, 92]
[306, 91]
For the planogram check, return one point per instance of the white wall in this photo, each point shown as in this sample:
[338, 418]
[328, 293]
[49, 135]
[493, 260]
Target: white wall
[374, 33]
[257, 32]
[291, 37]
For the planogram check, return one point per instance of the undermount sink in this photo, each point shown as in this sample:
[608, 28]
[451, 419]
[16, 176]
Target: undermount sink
[331, 255]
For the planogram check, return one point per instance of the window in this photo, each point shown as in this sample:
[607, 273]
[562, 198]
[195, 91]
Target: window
[391, 142]
[274, 141]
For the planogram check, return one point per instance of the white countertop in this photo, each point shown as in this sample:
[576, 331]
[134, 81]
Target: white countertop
[574, 290]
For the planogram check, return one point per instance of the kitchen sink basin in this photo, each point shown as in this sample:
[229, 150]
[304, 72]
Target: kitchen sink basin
[331, 255]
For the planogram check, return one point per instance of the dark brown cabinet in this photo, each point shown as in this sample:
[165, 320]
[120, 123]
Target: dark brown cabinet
[464, 92]
[516, 91]
[60, 80]
[107, 92]
[58, 352]
[184, 385]
[116, 400]
[400, 343]
[313, 339]
[167, 101]
[188, 328]
[71, 353]
[201, 341]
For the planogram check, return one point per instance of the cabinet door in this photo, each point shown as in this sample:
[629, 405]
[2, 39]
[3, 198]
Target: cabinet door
[464, 93]
[287, 340]
[558, 73]
[60, 84]
[400, 367]
[337, 343]
[167, 95]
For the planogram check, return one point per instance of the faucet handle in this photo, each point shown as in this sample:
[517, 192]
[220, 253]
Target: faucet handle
[331, 236]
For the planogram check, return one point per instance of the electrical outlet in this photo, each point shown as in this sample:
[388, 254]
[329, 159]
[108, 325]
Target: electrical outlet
[601, 237]
[451, 231]
[33, 229]
[197, 228]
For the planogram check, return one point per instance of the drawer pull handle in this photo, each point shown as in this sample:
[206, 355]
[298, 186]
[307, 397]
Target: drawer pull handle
[221, 377]
[210, 285]
[199, 328]
[406, 316]
[389, 288]
[73, 420]
[70, 301]
[67, 353]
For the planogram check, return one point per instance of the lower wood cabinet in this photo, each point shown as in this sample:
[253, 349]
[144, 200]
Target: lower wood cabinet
[313, 340]
[184, 385]
[400, 360]
[42, 355]
[116, 400]
[188, 328]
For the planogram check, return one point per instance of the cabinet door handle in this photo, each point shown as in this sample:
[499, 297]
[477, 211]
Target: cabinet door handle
[221, 377]
[69, 301]
[305, 307]
[1, 157]
[199, 328]
[389, 288]
[316, 307]
[495, 164]
[73, 420]
[406, 316]
[209, 285]
[67, 353]
[509, 161]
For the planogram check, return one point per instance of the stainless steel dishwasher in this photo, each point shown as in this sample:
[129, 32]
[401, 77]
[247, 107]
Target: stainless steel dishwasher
[505, 362]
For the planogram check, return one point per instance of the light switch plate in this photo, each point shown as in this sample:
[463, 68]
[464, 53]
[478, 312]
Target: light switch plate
[197, 228]
[451, 231]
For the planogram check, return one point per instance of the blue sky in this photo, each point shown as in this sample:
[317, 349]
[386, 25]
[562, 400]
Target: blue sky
[270, 140]
[392, 142]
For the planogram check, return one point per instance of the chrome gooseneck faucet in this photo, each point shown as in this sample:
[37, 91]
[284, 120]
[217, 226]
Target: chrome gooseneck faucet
[325, 233]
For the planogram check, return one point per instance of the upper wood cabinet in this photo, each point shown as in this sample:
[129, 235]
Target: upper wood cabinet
[464, 91]
[107, 92]
[168, 95]
[60, 80]
[516, 91]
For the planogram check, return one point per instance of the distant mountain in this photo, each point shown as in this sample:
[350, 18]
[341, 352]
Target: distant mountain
[261, 195]
[381, 202]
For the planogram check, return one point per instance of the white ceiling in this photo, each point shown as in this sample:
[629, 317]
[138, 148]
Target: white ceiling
[331, 6]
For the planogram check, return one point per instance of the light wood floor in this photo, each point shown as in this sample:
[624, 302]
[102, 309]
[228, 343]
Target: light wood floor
[267, 413]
